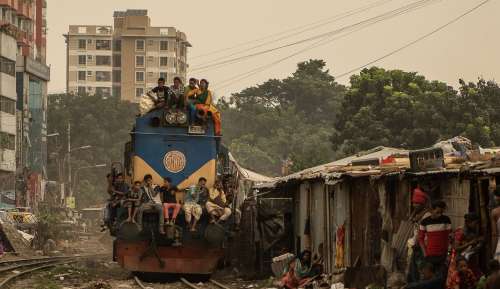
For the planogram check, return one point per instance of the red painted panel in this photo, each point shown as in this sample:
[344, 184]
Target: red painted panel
[187, 259]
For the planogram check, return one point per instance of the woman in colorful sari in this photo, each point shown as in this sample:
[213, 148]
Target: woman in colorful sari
[462, 277]
[298, 271]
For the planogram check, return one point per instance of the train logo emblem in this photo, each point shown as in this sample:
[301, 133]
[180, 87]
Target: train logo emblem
[174, 161]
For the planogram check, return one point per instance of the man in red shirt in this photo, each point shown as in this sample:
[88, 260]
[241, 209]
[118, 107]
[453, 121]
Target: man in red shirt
[434, 236]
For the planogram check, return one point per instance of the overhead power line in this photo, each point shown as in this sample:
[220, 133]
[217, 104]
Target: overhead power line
[218, 51]
[370, 21]
[299, 30]
[247, 74]
[415, 41]
[316, 44]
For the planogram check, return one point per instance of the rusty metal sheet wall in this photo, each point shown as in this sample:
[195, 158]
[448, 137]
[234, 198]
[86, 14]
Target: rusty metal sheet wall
[341, 216]
[317, 215]
[302, 205]
[456, 194]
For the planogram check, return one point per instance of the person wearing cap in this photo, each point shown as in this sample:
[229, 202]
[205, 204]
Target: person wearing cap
[420, 201]
[495, 224]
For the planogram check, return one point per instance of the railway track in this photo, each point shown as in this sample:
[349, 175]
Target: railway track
[211, 284]
[14, 269]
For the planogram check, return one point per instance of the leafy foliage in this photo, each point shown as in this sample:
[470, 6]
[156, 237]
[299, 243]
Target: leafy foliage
[403, 109]
[104, 124]
[283, 119]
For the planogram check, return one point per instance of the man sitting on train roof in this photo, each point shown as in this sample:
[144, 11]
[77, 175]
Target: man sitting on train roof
[148, 203]
[163, 96]
[202, 103]
[178, 91]
[192, 210]
[217, 205]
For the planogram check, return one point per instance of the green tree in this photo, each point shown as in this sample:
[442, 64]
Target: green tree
[103, 123]
[394, 108]
[283, 119]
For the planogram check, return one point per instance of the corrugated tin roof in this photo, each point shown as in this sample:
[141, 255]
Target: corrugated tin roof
[328, 169]
[250, 175]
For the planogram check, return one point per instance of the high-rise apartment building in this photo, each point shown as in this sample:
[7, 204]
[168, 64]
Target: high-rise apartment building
[23, 98]
[124, 60]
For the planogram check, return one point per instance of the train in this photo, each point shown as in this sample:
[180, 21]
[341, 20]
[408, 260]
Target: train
[163, 143]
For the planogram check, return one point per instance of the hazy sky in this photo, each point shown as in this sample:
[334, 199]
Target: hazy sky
[467, 49]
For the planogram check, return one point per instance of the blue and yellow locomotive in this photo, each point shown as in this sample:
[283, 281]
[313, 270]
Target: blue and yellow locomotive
[163, 144]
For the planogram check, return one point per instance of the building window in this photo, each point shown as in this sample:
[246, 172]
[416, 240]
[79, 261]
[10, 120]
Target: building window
[139, 61]
[117, 92]
[117, 75]
[139, 76]
[82, 30]
[163, 75]
[89, 58]
[139, 45]
[139, 91]
[103, 91]
[81, 90]
[103, 60]
[7, 141]
[103, 30]
[117, 60]
[82, 60]
[89, 74]
[103, 76]
[7, 105]
[82, 75]
[163, 45]
[117, 45]
[103, 44]
[163, 61]
[89, 41]
[7, 66]
[82, 44]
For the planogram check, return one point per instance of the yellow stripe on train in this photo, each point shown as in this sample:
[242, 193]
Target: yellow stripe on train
[141, 168]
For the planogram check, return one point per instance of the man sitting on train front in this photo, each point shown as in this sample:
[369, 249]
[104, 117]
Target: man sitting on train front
[216, 205]
[148, 203]
[192, 210]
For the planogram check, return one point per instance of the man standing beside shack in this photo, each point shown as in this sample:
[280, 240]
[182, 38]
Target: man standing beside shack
[434, 236]
[420, 203]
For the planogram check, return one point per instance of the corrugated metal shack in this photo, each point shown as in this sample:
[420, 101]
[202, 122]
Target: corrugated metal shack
[355, 211]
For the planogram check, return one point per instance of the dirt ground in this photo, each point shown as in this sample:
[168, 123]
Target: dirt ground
[102, 273]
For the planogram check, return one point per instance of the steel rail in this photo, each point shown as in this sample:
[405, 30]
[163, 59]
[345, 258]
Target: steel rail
[16, 275]
[139, 282]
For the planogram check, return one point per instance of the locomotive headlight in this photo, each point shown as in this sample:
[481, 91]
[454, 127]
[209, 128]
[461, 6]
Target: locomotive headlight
[170, 118]
[181, 118]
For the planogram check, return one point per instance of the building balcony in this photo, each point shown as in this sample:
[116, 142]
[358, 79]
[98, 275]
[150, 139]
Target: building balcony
[9, 3]
[7, 160]
[24, 9]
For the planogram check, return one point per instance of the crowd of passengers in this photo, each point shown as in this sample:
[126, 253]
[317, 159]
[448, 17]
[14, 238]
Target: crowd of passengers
[168, 201]
[195, 98]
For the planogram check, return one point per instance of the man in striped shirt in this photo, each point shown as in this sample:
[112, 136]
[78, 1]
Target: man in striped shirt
[434, 235]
